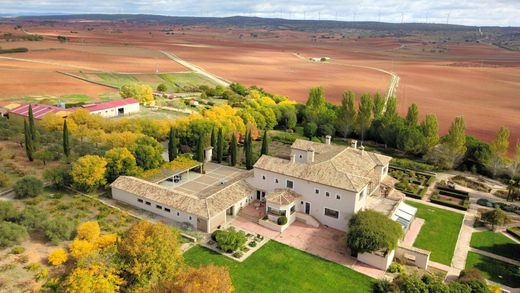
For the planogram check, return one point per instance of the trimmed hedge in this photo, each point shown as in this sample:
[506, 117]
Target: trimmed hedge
[452, 194]
[463, 207]
[417, 196]
[514, 231]
[452, 190]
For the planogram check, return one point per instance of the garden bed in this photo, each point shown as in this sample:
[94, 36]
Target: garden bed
[470, 183]
[514, 231]
[252, 243]
[411, 183]
[450, 197]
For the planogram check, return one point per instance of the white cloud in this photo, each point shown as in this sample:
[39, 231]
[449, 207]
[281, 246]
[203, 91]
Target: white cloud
[468, 12]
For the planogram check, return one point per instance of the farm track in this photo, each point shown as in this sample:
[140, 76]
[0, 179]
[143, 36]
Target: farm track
[394, 78]
[217, 79]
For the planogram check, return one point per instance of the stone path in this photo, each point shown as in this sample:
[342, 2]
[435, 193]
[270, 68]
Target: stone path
[458, 262]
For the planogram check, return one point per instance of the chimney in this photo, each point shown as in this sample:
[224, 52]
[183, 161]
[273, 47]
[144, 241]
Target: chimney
[310, 155]
[328, 139]
[353, 144]
[362, 149]
[293, 158]
[208, 154]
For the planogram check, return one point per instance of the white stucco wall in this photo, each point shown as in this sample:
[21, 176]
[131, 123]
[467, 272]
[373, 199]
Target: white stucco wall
[132, 200]
[347, 205]
[377, 261]
[112, 112]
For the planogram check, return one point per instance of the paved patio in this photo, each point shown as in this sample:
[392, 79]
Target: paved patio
[323, 241]
[413, 231]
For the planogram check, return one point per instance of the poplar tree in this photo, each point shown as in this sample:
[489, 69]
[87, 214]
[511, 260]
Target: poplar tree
[379, 105]
[233, 151]
[29, 147]
[430, 130]
[413, 115]
[220, 146]
[172, 145]
[213, 142]
[265, 144]
[248, 149]
[499, 147]
[66, 139]
[365, 114]
[346, 119]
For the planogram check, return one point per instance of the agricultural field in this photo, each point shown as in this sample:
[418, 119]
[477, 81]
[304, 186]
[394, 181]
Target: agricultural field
[439, 233]
[281, 268]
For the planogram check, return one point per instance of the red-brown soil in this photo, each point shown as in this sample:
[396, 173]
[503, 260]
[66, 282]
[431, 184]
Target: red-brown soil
[479, 81]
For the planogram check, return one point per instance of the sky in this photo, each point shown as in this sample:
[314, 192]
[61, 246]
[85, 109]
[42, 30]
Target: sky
[466, 12]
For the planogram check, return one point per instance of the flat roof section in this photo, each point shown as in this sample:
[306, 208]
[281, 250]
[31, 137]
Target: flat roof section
[205, 185]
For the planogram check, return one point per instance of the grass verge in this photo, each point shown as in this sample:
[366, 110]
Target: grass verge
[495, 270]
[496, 243]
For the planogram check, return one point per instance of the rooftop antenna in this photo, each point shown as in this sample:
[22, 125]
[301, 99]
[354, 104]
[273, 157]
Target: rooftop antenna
[448, 18]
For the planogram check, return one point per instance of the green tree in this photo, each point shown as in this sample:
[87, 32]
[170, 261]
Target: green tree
[499, 147]
[29, 146]
[430, 130]
[514, 167]
[58, 177]
[316, 98]
[230, 239]
[412, 116]
[150, 254]
[66, 139]
[310, 129]
[233, 150]
[346, 118]
[248, 149]
[365, 114]
[379, 105]
[453, 148]
[43, 155]
[265, 144]
[162, 87]
[33, 218]
[58, 229]
[28, 186]
[371, 231]
[120, 162]
[496, 217]
[220, 146]
[172, 145]
[147, 152]
[391, 109]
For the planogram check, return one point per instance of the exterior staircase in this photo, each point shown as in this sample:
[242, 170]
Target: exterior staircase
[307, 219]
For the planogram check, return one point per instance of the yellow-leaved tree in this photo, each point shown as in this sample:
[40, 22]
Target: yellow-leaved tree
[141, 92]
[57, 257]
[106, 241]
[208, 278]
[95, 278]
[88, 172]
[81, 248]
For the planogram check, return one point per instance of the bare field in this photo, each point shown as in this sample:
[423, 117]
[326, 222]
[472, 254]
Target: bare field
[477, 81]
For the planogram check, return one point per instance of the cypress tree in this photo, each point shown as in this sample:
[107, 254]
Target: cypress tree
[29, 148]
[213, 143]
[265, 144]
[66, 140]
[233, 151]
[248, 148]
[32, 128]
[220, 146]
[172, 145]
[200, 149]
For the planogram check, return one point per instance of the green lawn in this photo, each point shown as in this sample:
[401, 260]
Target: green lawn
[439, 233]
[496, 243]
[279, 268]
[495, 270]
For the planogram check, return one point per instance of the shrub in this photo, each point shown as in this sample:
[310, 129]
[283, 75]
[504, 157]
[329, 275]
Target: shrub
[238, 254]
[18, 250]
[28, 186]
[11, 234]
[58, 229]
[57, 257]
[7, 211]
[88, 231]
[395, 268]
[252, 244]
[33, 267]
[496, 217]
[106, 241]
[4, 180]
[81, 248]
[230, 240]
[32, 218]
[282, 220]
[382, 286]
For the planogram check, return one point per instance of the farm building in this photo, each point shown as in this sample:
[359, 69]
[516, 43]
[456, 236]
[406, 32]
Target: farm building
[39, 111]
[114, 108]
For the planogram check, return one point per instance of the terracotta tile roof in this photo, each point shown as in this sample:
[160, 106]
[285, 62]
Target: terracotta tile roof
[111, 104]
[217, 199]
[342, 167]
[282, 196]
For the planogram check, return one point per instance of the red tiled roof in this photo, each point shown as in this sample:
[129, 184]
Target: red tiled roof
[38, 110]
[111, 104]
